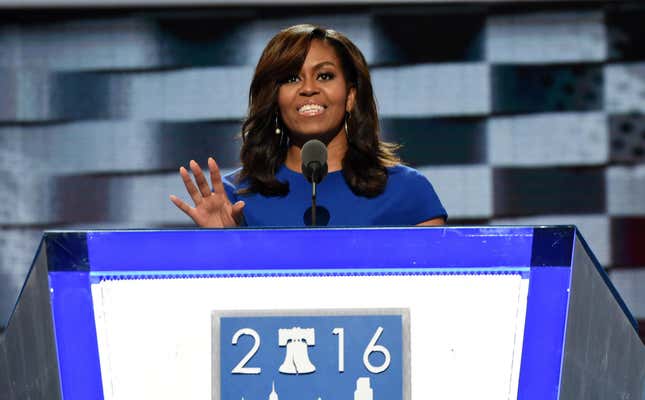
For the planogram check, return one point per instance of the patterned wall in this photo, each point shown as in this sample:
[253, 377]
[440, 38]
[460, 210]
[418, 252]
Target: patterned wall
[518, 115]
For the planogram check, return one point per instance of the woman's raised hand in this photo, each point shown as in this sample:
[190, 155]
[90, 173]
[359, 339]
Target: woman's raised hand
[212, 208]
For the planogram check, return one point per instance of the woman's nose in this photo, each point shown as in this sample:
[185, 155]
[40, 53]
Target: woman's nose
[309, 87]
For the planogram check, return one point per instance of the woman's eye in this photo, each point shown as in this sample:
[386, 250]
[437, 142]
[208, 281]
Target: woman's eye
[292, 79]
[325, 76]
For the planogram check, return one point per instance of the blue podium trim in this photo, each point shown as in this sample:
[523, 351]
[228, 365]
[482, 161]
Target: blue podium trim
[259, 249]
[544, 333]
[97, 276]
[75, 331]
[552, 246]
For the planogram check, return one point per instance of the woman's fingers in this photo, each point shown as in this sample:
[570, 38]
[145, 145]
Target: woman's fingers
[204, 189]
[238, 207]
[216, 178]
[237, 211]
[181, 205]
[212, 208]
[190, 186]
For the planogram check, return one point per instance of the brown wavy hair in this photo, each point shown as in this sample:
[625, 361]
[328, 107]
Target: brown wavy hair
[367, 158]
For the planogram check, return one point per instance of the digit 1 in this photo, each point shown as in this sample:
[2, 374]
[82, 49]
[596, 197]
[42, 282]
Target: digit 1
[341, 348]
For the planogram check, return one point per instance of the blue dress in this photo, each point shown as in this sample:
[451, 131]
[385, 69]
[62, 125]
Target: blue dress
[408, 199]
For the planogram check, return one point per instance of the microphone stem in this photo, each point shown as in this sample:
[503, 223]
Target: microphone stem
[313, 203]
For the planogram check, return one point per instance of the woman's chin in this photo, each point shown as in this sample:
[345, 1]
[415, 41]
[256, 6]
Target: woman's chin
[300, 138]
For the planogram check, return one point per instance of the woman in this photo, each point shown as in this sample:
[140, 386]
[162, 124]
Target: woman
[312, 83]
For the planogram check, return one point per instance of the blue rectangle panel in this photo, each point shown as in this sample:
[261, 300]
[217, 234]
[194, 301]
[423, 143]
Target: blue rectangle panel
[75, 330]
[544, 333]
[261, 249]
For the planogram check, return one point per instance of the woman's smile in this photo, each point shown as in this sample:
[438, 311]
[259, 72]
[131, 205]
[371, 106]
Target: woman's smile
[311, 110]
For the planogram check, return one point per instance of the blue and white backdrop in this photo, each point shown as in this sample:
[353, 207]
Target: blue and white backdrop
[519, 114]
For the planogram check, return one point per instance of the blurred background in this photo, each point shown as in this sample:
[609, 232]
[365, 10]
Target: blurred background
[518, 112]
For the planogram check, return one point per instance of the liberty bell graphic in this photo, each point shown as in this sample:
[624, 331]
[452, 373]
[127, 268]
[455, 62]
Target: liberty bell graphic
[297, 339]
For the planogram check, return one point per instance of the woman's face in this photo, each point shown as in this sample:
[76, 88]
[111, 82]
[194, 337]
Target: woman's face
[314, 101]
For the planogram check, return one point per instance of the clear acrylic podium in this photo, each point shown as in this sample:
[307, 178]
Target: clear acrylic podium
[374, 313]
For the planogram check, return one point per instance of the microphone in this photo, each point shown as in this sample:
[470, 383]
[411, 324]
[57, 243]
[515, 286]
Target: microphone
[314, 168]
[314, 160]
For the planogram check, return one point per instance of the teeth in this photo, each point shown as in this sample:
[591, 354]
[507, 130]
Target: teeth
[311, 108]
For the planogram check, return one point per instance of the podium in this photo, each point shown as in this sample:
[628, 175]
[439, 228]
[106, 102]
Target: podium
[373, 313]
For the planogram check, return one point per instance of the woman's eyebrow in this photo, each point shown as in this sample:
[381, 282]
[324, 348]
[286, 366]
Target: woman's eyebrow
[323, 64]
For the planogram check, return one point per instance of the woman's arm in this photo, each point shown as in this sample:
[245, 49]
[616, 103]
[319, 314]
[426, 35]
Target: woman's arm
[433, 222]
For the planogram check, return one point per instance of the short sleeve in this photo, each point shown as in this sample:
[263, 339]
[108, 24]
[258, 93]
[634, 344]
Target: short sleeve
[418, 199]
[430, 205]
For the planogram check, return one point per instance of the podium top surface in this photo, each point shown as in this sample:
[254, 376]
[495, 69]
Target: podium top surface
[355, 248]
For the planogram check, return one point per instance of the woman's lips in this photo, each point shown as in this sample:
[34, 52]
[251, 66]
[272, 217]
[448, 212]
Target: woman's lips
[310, 110]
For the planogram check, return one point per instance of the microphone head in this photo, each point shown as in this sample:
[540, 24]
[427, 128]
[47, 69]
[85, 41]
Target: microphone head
[314, 160]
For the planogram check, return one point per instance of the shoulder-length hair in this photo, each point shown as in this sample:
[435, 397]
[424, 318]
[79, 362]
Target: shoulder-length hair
[263, 152]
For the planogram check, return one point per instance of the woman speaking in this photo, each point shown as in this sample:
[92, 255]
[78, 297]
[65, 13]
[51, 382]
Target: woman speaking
[311, 83]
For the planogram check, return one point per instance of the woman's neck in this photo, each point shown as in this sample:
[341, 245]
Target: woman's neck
[336, 150]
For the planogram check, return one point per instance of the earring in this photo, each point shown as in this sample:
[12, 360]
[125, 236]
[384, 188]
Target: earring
[280, 132]
[346, 129]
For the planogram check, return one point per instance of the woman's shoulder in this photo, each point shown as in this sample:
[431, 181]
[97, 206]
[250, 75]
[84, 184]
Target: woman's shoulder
[415, 192]
[403, 174]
